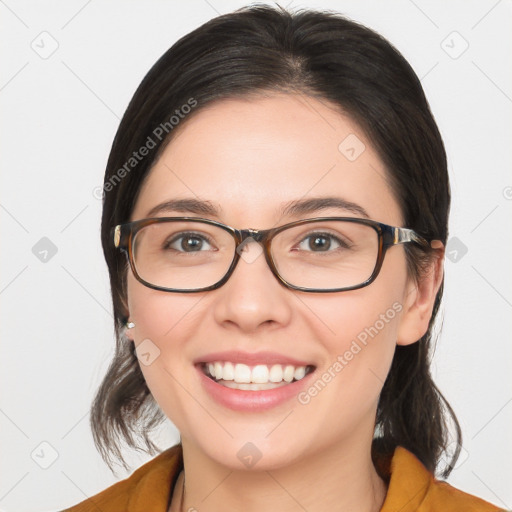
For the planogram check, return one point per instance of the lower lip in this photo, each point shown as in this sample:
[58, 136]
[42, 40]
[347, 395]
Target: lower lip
[251, 401]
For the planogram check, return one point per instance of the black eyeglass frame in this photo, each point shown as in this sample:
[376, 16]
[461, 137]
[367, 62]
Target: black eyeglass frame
[123, 236]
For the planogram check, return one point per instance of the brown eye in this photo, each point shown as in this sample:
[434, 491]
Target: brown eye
[188, 242]
[321, 242]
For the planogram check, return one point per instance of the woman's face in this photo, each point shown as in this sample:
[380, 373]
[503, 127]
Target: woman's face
[249, 159]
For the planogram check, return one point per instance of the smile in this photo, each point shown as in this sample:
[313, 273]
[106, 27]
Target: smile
[254, 378]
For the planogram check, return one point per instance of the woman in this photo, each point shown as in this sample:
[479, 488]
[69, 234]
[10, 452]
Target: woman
[275, 214]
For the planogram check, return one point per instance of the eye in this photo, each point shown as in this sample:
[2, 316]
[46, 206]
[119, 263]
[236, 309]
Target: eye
[321, 242]
[188, 242]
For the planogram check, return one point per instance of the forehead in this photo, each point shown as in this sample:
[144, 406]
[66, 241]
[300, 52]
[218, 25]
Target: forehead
[248, 157]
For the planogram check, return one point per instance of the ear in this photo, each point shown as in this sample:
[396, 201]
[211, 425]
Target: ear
[419, 299]
[122, 303]
[128, 332]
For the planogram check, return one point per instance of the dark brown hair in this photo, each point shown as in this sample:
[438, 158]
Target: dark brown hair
[264, 49]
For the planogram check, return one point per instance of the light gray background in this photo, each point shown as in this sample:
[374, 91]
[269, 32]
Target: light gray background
[60, 112]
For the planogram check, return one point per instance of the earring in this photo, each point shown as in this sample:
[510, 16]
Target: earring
[129, 325]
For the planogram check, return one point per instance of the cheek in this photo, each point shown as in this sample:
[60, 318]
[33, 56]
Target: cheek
[359, 349]
[367, 313]
[164, 322]
[360, 329]
[359, 332]
[158, 315]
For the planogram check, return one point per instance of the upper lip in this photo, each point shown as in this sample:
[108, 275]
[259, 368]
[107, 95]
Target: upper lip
[251, 358]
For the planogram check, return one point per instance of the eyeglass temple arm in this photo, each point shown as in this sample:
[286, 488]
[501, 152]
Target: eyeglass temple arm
[405, 235]
[119, 236]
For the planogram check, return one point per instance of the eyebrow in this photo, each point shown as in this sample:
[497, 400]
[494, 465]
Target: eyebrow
[297, 207]
[315, 204]
[186, 206]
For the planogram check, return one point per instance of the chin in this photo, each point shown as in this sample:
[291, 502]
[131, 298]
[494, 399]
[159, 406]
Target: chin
[244, 454]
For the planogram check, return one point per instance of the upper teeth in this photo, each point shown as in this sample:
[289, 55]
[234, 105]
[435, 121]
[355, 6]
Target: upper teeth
[259, 374]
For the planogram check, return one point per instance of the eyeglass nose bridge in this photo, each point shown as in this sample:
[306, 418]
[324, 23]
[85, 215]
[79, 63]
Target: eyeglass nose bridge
[246, 236]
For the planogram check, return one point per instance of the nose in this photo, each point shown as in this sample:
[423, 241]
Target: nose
[252, 299]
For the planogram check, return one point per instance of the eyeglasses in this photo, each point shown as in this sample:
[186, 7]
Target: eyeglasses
[326, 254]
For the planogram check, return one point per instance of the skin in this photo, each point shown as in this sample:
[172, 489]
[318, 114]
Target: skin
[248, 157]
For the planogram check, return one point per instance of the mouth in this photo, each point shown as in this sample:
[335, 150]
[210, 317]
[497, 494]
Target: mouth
[257, 377]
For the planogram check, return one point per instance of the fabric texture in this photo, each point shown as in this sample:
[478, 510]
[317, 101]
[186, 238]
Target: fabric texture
[412, 488]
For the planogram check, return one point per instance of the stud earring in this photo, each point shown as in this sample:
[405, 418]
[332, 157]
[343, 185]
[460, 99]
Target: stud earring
[130, 325]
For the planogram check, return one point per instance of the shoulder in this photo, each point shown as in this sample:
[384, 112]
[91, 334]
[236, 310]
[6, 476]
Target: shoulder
[412, 488]
[454, 499]
[148, 488]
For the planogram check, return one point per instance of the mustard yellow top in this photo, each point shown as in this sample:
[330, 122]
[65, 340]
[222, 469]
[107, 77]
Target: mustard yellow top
[412, 488]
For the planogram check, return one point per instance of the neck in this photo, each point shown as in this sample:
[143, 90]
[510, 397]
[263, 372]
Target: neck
[340, 478]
